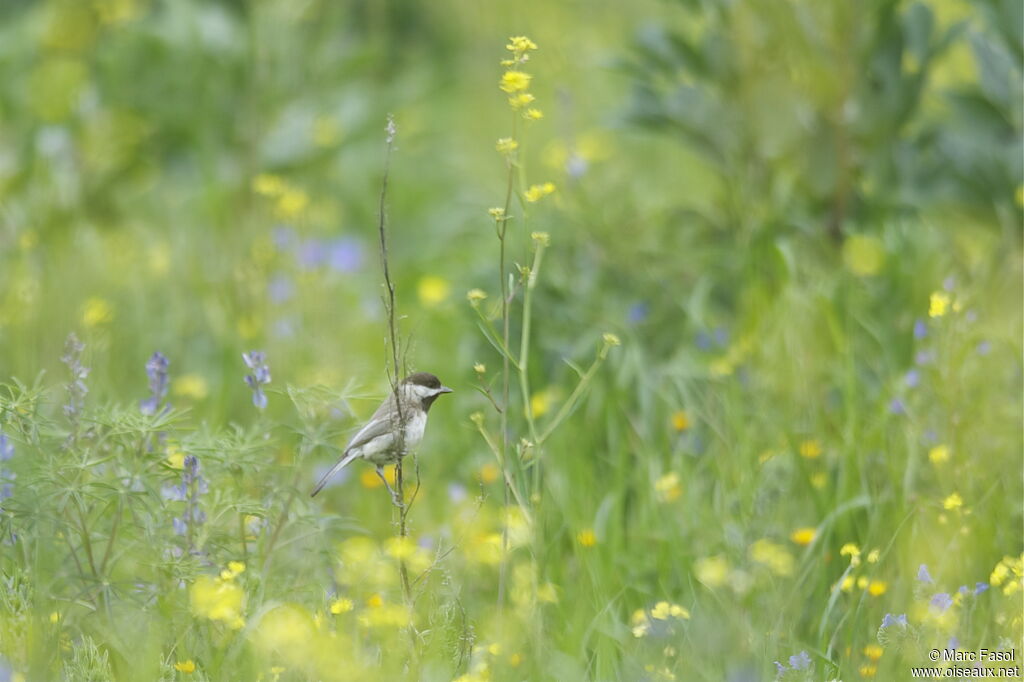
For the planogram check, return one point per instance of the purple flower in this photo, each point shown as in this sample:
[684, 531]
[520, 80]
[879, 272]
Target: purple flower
[984, 348]
[800, 661]
[311, 254]
[156, 370]
[280, 289]
[963, 589]
[896, 406]
[890, 620]
[345, 255]
[924, 357]
[6, 447]
[923, 575]
[912, 378]
[920, 329]
[980, 587]
[76, 388]
[953, 643]
[637, 312]
[456, 492]
[257, 361]
[941, 601]
[283, 237]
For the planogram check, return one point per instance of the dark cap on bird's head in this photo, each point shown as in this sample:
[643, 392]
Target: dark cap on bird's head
[427, 380]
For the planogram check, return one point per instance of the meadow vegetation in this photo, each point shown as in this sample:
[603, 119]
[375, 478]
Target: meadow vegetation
[729, 294]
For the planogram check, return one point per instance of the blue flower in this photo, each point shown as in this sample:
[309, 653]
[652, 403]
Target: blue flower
[980, 587]
[923, 575]
[920, 329]
[76, 387]
[280, 289]
[345, 255]
[912, 378]
[896, 406]
[941, 601]
[890, 620]
[257, 362]
[637, 312]
[156, 370]
[800, 661]
[6, 447]
[984, 348]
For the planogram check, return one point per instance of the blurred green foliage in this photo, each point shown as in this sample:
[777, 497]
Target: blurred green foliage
[802, 218]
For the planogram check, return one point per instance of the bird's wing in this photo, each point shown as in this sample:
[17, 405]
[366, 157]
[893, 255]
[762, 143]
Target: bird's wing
[379, 424]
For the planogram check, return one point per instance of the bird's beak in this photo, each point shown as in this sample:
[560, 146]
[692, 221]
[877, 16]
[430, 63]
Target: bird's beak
[444, 389]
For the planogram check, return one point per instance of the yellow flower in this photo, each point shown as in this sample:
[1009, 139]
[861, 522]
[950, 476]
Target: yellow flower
[713, 571]
[432, 290]
[97, 311]
[326, 131]
[876, 588]
[954, 501]
[55, 617]
[488, 473]
[544, 239]
[520, 44]
[803, 536]
[864, 255]
[867, 671]
[532, 114]
[778, 560]
[541, 402]
[188, 667]
[506, 145]
[474, 296]
[849, 549]
[810, 449]
[370, 480]
[480, 368]
[680, 420]
[819, 480]
[268, 185]
[537, 192]
[497, 213]
[341, 606]
[216, 599]
[400, 547]
[586, 537]
[938, 454]
[938, 304]
[668, 487]
[847, 584]
[291, 203]
[862, 582]
[514, 81]
[190, 386]
[873, 651]
[175, 457]
[662, 610]
[873, 556]
[520, 100]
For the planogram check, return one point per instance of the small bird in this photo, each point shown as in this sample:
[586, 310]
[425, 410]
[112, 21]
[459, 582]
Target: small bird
[378, 441]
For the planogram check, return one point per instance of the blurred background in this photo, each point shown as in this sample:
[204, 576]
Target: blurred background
[802, 218]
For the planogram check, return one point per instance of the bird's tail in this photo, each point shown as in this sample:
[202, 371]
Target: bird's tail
[342, 463]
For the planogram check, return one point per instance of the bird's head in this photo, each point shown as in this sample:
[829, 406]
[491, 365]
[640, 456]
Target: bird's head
[425, 387]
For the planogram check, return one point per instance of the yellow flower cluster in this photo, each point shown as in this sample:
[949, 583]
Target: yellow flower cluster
[774, 556]
[289, 201]
[1008, 574]
[668, 487]
[661, 616]
[515, 82]
[537, 192]
[218, 598]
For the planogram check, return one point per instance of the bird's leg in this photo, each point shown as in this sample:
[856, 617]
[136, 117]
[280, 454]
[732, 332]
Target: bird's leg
[394, 496]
